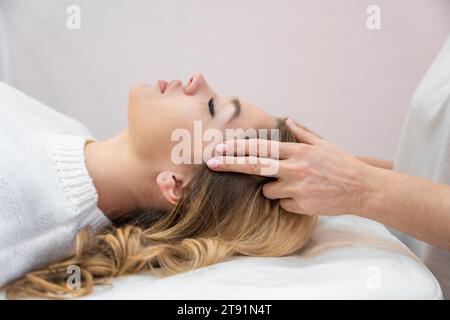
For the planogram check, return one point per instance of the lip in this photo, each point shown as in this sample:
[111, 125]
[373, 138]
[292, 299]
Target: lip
[164, 85]
[172, 84]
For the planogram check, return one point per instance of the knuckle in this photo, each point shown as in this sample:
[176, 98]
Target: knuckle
[303, 166]
[240, 146]
[298, 170]
[253, 167]
[274, 149]
[250, 146]
[296, 166]
[301, 150]
[298, 151]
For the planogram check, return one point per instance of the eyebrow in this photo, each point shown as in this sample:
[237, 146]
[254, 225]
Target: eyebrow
[237, 108]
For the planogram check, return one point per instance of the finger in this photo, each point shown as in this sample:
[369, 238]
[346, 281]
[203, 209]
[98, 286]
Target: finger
[256, 147]
[301, 134]
[275, 190]
[290, 205]
[250, 165]
[298, 124]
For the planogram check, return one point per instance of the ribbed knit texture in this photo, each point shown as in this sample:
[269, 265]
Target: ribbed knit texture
[81, 195]
[72, 174]
[46, 193]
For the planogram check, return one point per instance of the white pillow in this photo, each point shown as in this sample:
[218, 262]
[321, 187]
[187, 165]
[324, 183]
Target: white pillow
[348, 258]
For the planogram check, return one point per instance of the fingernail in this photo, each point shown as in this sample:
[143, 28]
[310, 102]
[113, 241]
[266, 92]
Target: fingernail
[213, 163]
[290, 122]
[221, 148]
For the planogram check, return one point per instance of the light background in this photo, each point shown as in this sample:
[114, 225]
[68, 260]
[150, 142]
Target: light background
[313, 60]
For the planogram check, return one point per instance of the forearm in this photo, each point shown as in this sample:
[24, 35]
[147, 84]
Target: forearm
[379, 163]
[418, 207]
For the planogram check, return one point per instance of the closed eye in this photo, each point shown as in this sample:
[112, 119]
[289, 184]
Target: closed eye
[211, 107]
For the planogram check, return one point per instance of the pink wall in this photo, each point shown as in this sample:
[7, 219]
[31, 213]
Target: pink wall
[314, 60]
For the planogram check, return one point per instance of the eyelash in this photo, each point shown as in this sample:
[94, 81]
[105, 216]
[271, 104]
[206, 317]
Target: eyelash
[211, 106]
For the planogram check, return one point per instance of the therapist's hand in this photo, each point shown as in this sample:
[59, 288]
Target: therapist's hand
[314, 177]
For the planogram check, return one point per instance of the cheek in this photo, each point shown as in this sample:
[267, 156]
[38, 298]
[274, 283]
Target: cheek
[140, 100]
[153, 121]
[148, 114]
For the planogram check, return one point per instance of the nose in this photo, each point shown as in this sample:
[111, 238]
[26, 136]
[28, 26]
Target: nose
[196, 83]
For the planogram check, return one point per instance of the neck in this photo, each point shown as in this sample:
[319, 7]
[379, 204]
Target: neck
[110, 165]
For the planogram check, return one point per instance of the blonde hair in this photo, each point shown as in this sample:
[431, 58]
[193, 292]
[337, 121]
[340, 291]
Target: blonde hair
[219, 216]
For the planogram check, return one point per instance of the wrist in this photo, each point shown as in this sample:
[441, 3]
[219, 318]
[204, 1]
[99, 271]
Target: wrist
[371, 191]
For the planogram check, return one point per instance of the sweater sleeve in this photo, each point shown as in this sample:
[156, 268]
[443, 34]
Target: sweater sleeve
[48, 202]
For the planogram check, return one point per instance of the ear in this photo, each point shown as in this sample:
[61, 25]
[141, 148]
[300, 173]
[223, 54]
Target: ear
[171, 186]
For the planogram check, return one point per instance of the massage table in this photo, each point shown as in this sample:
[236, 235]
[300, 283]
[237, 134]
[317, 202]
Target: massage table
[347, 258]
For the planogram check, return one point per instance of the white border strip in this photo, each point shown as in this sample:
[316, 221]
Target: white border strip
[5, 55]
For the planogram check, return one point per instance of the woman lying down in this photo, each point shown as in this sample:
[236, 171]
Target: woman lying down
[123, 205]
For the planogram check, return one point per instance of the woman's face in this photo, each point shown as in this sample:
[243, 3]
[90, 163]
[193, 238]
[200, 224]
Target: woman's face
[155, 112]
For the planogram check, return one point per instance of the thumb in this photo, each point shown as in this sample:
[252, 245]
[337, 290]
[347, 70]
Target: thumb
[302, 134]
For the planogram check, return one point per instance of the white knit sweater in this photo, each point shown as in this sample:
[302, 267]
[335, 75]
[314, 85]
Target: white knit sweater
[46, 193]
